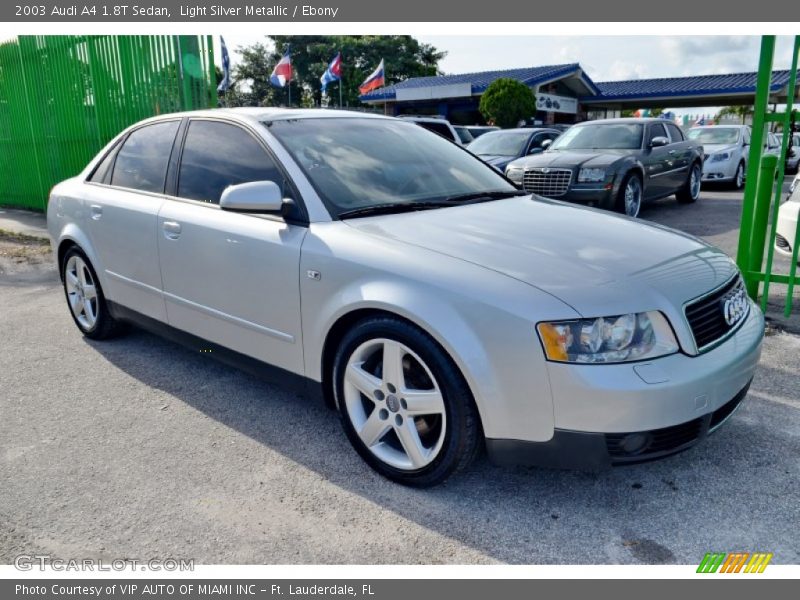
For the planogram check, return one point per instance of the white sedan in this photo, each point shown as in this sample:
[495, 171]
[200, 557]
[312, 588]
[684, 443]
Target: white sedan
[787, 220]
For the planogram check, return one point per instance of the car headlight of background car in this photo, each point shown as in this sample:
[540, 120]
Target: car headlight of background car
[591, 175]
[720, 157]
[515, 174]
[622, 338]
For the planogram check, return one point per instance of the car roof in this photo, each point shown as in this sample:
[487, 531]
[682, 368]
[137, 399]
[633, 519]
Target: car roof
[626, 120]
[732, 125]
[530, 130]
[268, 113]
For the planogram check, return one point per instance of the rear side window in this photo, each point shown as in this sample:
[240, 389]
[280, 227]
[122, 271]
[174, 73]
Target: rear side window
[656, 130]
[216, 155]
[675, 133]
[142, 161]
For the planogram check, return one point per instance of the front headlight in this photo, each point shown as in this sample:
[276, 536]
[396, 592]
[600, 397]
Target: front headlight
[623, 338]
[722, 156]
[515, 174]
[591, 175]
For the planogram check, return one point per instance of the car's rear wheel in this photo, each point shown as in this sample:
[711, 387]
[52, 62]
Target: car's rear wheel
[738, 178]
[629, 198]
[85, 298]
[404, 405]
[690, 191]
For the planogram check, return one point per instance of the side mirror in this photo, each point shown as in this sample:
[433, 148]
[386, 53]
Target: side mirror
[546, 144]
[252, 197]
[659, 141]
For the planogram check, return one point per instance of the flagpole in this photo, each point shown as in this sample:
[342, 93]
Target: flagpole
[341, 79]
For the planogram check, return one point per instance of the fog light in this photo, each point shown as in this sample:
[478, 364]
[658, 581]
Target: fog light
[634, 443]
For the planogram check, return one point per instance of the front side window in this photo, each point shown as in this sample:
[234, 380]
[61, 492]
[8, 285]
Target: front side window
[656, 130]
[359, 163]
[216, 155]
[600, 136]
[142, 161]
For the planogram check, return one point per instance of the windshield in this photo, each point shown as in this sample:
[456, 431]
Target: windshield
[714, 135]
[500, 143]
[611, 136]
[356, 163]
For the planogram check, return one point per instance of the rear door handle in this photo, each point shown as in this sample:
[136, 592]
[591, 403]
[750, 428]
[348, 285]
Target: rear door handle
[96, 211]
[172, 229]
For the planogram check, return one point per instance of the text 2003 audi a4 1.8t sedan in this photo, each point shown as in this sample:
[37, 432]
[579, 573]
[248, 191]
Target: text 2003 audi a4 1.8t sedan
[439, 308]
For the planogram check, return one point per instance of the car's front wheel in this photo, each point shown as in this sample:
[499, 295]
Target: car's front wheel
[629, 198]
[738, 178]
[404, 404]
[690, 191]
[85, 298]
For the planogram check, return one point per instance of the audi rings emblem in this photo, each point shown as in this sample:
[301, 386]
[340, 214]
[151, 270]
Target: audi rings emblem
[735, 307]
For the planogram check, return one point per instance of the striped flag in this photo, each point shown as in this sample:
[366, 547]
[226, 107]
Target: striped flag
[333, 72]
[225, 84]
[282, 73]
[374, 81]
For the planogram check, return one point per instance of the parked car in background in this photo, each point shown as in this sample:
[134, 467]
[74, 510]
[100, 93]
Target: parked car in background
[726, 150]
[437, 308]
[788, 215]
[498, 148]
[793, 154]
[437, 125]
[478, 130]
[464, 134]
[616, 164]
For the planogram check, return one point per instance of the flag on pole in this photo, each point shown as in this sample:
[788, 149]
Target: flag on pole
[333, 72]
[700, 121]
[374, 81]
[225, 84]
[282, 73]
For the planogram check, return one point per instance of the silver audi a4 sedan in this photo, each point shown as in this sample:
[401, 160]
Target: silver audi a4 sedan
[438, 308]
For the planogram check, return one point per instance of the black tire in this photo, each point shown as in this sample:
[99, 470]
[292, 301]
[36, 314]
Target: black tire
[619, 201]
[462, 435]
[105, 325]
[685, 194]
[738, 183]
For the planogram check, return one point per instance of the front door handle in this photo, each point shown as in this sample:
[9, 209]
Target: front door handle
[96, 211]
[172, 229]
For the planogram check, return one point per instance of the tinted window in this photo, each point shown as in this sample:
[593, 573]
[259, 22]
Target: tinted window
[441, 128]
[216, 155]
[142, 161]
[595, 136]
[675, 133]
[656, 130]
[99, 175]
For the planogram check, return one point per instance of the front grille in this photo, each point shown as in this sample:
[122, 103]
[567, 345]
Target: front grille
[719, 416]
[782, 243]
[706, 316]
[658, 442]
[550, 183]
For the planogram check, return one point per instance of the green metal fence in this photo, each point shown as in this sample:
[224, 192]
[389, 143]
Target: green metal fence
[762, 195]
[62, 98]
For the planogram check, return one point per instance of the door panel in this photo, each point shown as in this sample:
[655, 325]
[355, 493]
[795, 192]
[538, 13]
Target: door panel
[658, 164]
[233, 279]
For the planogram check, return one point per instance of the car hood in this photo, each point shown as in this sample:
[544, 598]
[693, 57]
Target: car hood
[572, 159]
[496, 160]
[593, 260]
[715, 148]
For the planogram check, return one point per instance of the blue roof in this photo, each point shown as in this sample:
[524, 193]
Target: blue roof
[530, 76]
[697, 85]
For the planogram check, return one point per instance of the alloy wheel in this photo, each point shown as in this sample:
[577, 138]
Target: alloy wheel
[394, 404]
[81, 292]
[633, 197]
[739, 176]
[694, 182]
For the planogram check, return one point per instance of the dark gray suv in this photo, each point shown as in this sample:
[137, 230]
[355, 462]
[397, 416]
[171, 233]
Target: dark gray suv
[616, 164]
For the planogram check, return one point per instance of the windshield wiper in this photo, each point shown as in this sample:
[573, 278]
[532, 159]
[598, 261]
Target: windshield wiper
[484, 196]
[391, 208]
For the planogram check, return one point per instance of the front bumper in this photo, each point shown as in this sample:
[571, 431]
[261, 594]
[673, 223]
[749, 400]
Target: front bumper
[719, 171]
[787, 227]
[615, 414]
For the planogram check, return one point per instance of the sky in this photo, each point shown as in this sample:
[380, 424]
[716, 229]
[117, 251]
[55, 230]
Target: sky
[602, 57]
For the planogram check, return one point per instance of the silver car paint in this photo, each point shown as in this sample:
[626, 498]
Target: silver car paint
[477, 278]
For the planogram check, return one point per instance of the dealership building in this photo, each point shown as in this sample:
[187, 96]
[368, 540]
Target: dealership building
[566, 94]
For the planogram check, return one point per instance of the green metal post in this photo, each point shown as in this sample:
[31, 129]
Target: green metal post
[766, 181]
[743, 258]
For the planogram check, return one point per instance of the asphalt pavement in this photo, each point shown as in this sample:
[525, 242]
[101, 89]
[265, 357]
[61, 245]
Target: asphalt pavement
[138, 448]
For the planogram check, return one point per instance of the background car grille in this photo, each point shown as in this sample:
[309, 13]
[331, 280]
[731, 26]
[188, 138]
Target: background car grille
[706, 316]
[782, 243]
[550, 183]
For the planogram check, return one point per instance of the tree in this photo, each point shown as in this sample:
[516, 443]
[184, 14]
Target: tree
[404, 57]
[738, 112]
[506, 102]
